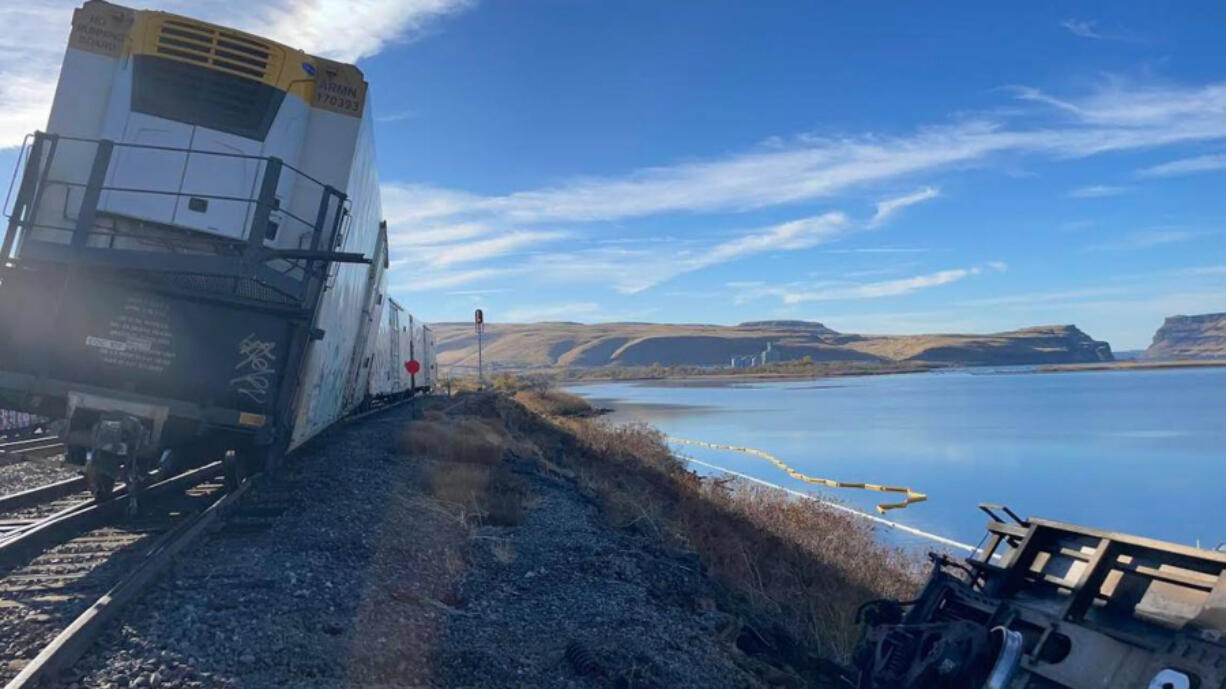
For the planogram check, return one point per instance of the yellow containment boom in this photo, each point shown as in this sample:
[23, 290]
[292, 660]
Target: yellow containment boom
[912, 496]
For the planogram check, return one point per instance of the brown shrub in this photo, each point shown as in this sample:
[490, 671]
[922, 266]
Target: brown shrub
[465, 439]
[554, 403]
[465, 469]
[795, 563]
[479, 494]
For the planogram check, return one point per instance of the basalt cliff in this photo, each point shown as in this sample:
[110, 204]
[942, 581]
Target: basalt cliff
[564, 344]
[1189, 338]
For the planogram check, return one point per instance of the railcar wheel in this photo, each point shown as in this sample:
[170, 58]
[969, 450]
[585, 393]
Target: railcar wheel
[233, 469]
[100, 485]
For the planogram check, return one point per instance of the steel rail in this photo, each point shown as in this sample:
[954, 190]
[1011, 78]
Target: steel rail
[86, 515]
[31, 450]
[9, 445]
[69, 644]
[36, 496]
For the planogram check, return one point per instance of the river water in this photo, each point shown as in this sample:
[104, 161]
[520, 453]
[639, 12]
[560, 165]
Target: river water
[1136, 451]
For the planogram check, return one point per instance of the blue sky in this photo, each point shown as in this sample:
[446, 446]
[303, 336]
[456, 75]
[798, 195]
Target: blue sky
[878, 167]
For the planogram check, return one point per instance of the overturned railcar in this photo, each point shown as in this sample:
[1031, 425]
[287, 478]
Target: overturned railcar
[1049, 605]
[194, 260]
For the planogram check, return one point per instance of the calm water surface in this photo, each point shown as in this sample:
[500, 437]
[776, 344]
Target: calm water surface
[1136, 451]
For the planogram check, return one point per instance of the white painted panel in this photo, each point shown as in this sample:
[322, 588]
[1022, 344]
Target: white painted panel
[285, 140]
[147, 169]
[215, 175]
[82, 94]
[326, 372]
[82, 98]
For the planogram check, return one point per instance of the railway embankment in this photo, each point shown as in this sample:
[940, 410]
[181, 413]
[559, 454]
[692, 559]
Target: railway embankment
[493, 541]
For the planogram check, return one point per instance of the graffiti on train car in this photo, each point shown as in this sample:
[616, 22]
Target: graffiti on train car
[130, 339]
[13, 420]
[255, 367]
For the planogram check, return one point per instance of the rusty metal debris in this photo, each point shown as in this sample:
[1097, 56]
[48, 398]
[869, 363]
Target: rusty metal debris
[1054, 605]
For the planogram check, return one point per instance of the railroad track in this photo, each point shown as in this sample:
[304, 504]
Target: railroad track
[64, 575]
[38, 447]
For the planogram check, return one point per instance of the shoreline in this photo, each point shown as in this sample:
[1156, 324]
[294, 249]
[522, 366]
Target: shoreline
[715, 379]
[1130, 365]
[751, 377]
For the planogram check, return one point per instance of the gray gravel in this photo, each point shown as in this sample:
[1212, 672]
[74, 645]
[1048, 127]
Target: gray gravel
[33, 473]
[344, 573]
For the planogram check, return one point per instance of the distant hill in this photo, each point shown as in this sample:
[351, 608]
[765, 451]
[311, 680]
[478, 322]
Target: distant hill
[564, 344]
[1189, 337]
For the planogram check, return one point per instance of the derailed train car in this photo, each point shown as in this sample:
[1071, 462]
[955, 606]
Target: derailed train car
[195, 260]
[401, 356]
[1049, 605]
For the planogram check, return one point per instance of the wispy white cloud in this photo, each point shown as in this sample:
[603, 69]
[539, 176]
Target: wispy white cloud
[1090, 29]
[1125, 109]
[1185, 166]
[396, 116]
[876, 272]
[407, 205]
[566, 311]
[1097, 191]
[1116, 117]
[627, 270]
[1205, 270]
[632, 270]
[429, 281]
[884, 288]
[1046, 298]
[343, 29]
[582, 312]
[887, 208]
[789, 236]
[797, 293]
[446, 255]
[1147, 239]
[35, 35]
[881, 250]
[1080, 27]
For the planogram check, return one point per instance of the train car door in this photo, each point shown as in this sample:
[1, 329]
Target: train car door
[412, 353]
[393, 368]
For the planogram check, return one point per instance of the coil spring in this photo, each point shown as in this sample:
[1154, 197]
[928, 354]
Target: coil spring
[581, 659]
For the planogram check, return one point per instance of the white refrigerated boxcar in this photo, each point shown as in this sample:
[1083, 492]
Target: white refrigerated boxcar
[196, 245]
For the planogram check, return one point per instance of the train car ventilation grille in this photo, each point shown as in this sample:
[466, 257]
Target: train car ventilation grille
[216, 48]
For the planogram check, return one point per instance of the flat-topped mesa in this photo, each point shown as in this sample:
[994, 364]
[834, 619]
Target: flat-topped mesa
[1189, 338]
[812, 327]
[1035, 345]
[535, 345]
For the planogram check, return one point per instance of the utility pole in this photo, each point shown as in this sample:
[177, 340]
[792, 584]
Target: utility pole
[479, 320]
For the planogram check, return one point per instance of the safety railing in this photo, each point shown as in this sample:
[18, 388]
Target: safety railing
[179, 211]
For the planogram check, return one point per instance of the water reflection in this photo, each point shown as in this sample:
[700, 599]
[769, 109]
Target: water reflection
[1137, 451]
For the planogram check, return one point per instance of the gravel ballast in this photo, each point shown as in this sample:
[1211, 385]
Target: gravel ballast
[344, 571]
[35, 472]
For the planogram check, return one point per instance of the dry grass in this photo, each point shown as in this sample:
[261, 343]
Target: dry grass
[554, 403]
[795, 565]
[463, 458]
